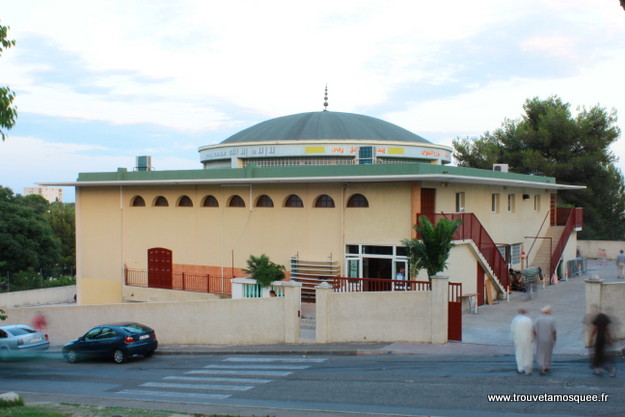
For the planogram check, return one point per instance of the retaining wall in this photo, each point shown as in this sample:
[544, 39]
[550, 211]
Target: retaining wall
[410, 316]
[54, 295]
[247, 321]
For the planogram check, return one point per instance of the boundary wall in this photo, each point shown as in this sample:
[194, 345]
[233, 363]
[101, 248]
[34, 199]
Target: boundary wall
[247, 321]
[410, 316]
[54, 295]
[609, 298]
[597, 248]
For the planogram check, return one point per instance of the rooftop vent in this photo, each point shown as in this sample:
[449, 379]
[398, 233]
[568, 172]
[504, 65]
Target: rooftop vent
[500, 167]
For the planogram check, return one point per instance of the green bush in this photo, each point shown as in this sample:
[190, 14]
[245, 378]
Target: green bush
[263, 270]
[14, 403]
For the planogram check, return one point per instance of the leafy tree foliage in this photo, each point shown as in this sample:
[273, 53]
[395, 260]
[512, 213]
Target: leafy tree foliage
[548, 140]
[263, 270]
[8, 112]
[431, 251]
[26, 238]
[61, 217]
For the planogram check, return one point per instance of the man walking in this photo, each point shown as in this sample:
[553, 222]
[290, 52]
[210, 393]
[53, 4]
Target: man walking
[545, 335]
[522, 335]
[620, 264]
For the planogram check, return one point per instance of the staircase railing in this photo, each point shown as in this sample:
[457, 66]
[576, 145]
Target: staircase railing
[472, 229]
[536, 236]
[574, 219]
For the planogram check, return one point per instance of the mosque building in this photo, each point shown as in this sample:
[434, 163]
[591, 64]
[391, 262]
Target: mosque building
[324, 193]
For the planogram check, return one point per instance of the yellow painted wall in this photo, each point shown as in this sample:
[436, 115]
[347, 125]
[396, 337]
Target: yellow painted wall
[99, 257]
[504, 226]
[111, 233]
[386, 221]
[462, 267]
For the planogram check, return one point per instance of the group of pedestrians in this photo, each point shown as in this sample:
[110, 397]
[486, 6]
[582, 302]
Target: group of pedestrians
[539, 336]
[531, 336]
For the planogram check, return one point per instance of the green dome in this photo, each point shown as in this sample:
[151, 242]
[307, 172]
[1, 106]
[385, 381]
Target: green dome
[324, 125]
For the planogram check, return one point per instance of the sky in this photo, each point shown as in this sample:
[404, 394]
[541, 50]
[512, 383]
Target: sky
[98, 83]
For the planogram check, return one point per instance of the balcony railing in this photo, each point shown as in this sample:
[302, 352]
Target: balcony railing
[343, 284]
[182, 281]
[472, 229]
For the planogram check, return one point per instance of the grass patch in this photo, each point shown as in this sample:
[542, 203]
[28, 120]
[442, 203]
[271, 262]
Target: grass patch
[77, 410]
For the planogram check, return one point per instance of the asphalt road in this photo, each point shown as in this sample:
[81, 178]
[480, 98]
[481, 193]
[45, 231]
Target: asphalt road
[406, 385]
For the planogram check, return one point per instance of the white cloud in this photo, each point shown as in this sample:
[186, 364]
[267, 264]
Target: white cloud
[195, 65]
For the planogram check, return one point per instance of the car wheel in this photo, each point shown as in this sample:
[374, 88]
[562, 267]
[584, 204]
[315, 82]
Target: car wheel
[72, 356]
[5, 353]
[119, 356]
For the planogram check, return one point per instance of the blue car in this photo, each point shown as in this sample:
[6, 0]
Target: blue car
[118, 341]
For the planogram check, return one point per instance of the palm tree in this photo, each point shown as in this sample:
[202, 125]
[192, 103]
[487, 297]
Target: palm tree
[432, 250]
[263, 270]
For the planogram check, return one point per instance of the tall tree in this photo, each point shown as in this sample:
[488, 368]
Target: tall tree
[26, 239]
[61, 217]
[548, 140]
[8, 112]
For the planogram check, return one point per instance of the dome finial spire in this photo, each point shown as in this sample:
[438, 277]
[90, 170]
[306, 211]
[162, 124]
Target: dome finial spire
[325, 98]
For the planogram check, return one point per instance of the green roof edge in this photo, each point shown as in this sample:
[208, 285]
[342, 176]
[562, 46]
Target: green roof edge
[251, 171]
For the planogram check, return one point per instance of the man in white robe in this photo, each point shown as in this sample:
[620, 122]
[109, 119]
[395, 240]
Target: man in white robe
[522, 333]
[545, 334]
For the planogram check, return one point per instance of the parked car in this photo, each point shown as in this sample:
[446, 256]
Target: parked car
[19, 339]
[117, 340]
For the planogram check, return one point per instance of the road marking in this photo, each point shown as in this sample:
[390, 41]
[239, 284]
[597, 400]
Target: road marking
[239, 372]
[295, 367]
[197, 386]
[136, 393]
[280, 359]
[217, 379]
[239, 375]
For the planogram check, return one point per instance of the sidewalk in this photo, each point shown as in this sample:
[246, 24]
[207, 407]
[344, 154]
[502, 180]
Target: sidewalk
[485, 333]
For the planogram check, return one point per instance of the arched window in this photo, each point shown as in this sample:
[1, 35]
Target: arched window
[293, 201]
[236, 201]
[357, 200]
[324, 200]
[264, 201]
[161, 202]
[138, 201]
[210, 201]
[185, 201]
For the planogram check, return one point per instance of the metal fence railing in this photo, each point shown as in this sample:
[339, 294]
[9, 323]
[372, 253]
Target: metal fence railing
[343, 284]
[183, 281]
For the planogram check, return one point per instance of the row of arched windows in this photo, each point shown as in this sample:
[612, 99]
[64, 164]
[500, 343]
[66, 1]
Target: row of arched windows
[293, 200]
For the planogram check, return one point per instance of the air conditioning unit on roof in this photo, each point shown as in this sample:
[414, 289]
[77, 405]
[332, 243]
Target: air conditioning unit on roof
[500, 167]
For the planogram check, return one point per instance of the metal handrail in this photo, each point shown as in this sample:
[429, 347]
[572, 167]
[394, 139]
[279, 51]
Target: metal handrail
[183, 281]
[472, 229]
[575, 219]
[527, 256]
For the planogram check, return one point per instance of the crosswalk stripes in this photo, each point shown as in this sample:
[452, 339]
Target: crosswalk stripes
[219, 381]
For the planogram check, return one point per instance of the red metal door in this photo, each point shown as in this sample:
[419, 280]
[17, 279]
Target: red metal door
[428, 200]
[454, 320]
[160, 268]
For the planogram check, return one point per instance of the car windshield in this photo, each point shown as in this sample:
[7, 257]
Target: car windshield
[136, 328]
[20, 331]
